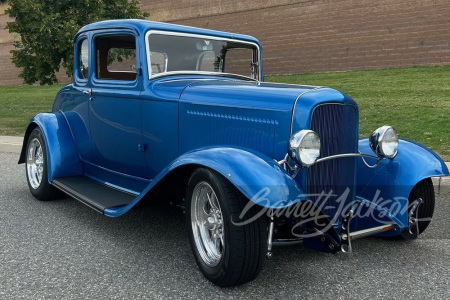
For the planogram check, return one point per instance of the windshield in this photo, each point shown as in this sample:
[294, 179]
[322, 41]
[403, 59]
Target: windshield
[168, 52]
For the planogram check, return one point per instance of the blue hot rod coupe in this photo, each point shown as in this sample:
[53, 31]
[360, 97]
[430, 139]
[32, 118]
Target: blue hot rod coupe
[185, 113]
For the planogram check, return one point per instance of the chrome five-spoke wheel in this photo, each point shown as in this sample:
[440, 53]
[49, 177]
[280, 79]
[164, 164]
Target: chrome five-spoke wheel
[228, 249]
[35, 163]
[207, 224]
[36, 167]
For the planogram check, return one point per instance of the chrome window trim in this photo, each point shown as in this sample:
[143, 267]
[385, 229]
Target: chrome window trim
[201, 36]
[79, 46]
[221, 74]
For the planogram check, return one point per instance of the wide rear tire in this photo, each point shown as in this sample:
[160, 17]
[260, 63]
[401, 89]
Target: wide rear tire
[227, 254]
[36, 168]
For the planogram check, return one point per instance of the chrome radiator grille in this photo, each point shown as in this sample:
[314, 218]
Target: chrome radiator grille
[337, 126]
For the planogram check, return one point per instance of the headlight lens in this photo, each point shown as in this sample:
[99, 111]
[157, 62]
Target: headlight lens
[304, 147]
[384, 141]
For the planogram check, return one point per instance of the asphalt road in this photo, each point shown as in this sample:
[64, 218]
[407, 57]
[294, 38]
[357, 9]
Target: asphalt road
[64, 250]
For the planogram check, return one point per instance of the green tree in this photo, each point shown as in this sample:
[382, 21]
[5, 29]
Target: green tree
[47, 29]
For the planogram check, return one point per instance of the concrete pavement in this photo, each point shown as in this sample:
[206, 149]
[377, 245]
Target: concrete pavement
[11, 144]
[62, 249]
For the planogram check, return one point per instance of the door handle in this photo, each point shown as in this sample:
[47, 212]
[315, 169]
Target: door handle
[88, 92]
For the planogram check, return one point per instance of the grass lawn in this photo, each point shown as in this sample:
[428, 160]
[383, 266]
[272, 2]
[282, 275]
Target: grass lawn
[416, 101]
[18, 104]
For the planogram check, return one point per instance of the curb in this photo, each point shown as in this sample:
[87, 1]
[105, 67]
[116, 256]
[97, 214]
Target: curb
[11, 144]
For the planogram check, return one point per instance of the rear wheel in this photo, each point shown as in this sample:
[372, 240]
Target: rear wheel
[36, 167]
[227, 254]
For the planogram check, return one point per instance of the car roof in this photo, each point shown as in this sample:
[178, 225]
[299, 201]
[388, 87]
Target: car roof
[142, 26]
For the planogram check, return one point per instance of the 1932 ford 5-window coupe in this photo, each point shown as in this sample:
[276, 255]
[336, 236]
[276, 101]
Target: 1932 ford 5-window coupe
[186, 111]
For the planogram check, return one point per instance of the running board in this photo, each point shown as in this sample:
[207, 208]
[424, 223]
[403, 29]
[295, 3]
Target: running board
[92, 193]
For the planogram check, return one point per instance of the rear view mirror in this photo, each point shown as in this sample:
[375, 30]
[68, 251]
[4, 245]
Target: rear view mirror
[204, 46]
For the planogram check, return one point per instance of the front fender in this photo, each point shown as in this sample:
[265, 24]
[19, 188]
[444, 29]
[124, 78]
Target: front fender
[258, 177]
[389, 184]
[62, 155]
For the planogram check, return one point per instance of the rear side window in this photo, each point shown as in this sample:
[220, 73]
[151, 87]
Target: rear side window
[115, 57]
[83, 59]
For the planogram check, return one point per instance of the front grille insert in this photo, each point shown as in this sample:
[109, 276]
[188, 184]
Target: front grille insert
[337, 126]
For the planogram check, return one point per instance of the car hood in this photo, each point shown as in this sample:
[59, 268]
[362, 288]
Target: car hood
[243, 94]
[256, 115]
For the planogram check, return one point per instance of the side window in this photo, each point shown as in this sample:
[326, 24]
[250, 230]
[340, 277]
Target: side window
[115, 57]
[83, 59]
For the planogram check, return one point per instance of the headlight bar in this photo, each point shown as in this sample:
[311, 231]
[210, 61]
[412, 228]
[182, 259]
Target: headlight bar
[383, 141]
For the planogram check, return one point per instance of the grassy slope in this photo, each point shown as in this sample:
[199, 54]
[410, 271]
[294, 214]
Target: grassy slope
[416, 101]
[18, 104]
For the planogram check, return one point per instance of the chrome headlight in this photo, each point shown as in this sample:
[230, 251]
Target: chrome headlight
[304, 147]
[384, 142]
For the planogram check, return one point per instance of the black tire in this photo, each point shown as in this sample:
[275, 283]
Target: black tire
[243, 253]
[424, 190]
[43, 190]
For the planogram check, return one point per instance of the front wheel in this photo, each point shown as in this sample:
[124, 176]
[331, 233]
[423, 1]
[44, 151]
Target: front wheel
[227, 253]
[425, 191]
[36, 167]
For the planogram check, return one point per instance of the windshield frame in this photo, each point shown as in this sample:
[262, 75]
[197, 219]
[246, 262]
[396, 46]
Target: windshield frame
[201, 36]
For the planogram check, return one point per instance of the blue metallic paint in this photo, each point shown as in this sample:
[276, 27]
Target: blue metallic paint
[249, 171]
[205, 121]
[62, 155]
[74, 105]
[369, 214]
[395, 178]
[309, 100]
[122, 181]
[238, 113]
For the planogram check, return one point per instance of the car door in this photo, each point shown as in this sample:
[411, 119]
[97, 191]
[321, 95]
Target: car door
[115, 105]
[75, 103]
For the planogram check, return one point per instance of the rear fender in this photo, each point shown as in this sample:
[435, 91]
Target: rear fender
[389, 184]
[62, 156]
[258, 177]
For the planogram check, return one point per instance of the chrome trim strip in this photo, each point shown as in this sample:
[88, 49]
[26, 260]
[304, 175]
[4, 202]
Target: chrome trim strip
[270, 235]
[368, 232]
[295, 104]
[119, 188]
[201, 36]
[346, 155]
[287, 167]
[201, 73]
